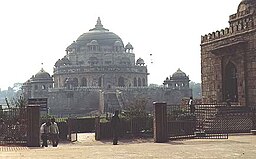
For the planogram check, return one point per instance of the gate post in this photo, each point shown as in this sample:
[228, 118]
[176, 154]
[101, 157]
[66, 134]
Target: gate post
[97, 128]
[33, 119]
[160, 123]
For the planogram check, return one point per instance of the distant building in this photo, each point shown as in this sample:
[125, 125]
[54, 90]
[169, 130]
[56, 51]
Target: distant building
[229, 59]
[100, 73]
[179, 80]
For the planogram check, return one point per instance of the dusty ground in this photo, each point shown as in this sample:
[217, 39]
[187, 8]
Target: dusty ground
[237, 146]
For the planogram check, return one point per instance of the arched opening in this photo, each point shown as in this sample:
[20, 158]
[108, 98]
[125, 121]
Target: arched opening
[75, 82]
[93, 61]
[139, 82]
[65, 82]
[100, 82]
[230, 82]
[84, 82]
[121, 82]
[135, 82]
[143, 82]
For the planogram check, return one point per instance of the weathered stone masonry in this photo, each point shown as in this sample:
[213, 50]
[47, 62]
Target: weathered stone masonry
[228, 59]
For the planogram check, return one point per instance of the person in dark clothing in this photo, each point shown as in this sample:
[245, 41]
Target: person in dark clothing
[115, 123]
[54, 132]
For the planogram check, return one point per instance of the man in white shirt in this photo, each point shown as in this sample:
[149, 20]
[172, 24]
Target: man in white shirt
[45, 133]
[191, 105]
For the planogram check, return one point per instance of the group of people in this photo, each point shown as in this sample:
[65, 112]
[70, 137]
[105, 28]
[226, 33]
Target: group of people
[49, 131]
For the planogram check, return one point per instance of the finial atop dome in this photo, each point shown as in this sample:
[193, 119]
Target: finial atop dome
[99, 26]
[42, 69]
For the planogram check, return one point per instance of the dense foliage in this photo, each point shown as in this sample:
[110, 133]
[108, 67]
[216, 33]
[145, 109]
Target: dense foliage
[136, 109]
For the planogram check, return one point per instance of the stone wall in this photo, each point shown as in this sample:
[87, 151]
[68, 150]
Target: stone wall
[82, 102]
[79, 102]
[234, 45]
[157, 94]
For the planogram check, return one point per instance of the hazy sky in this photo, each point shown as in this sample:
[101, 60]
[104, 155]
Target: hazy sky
[38, 31]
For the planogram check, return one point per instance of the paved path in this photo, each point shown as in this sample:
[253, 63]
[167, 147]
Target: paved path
[239, 146]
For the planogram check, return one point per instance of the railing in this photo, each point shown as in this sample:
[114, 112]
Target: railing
[13, 126]
[180, 122]
[139, 127]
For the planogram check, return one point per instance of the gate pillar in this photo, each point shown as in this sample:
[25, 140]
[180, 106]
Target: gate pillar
[97, 128]
[160, 123]
[33, 131]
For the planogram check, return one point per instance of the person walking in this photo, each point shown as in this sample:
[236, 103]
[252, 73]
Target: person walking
[115, 123]
[45, 133]
[54, 132]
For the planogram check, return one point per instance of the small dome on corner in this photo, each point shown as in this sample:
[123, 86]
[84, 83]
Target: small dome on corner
[179, 73]
[140, 61]
[42, 75]
[129, 46]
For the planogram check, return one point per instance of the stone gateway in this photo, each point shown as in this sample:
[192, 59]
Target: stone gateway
[228, 59]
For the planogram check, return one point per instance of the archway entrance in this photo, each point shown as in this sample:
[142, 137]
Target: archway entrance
[230, 82]
[121, 82]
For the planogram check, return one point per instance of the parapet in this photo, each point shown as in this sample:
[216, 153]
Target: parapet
[239, 23]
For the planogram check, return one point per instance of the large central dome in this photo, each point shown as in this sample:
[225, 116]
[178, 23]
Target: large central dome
[103, 36]
[246, 4]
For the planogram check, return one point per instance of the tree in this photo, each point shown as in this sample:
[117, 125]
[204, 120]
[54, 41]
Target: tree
[136, 109]
[196, 89]
[10, 93]
[21, 102]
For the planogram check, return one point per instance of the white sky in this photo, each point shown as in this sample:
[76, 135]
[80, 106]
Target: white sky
[38, 31]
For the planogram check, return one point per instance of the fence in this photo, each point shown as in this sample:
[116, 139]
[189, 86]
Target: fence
[69, 127]
[209, 125]
[235, 119]
[180, 122]
[209, 121]
[137, 127]
[13, 126]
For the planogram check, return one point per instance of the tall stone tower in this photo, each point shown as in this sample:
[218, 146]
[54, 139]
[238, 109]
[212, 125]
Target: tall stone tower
[228, 59]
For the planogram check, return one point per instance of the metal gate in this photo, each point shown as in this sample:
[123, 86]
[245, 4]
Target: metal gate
[13, 126]
[201, 124]
[72, 129]
[209, 122]
[180, 123]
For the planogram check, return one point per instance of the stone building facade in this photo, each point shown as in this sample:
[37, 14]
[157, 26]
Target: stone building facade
[98, 58]
[228, 59]
[100, 73]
